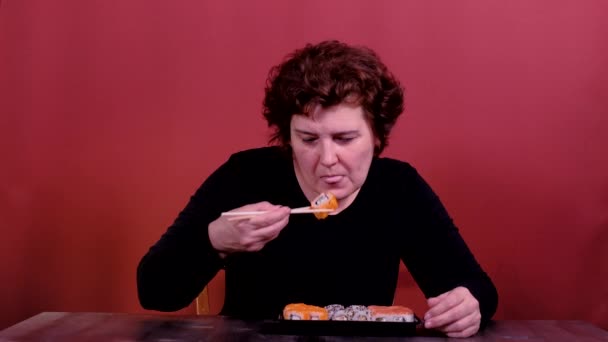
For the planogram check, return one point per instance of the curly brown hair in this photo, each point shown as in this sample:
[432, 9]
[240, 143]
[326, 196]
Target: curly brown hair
[327, 74]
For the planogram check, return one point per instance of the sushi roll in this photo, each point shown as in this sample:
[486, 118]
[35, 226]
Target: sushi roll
[336, 312]
[357, 313]
[301, 311]
[334, 307]
[393, 313]
[296, 311]
[339, 315]
[325, 200]
[317, 313]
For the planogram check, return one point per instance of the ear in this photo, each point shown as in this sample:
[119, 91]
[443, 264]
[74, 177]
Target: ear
[377, 147]
[377, 142]
[286, 146]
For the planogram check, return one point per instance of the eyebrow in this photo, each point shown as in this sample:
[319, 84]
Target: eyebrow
[336, 133]
[303, 132]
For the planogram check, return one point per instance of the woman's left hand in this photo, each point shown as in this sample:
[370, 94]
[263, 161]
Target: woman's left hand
[456, 313]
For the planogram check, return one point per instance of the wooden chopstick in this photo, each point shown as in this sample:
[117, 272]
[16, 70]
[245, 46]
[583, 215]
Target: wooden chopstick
[308, 210]
[242, 215]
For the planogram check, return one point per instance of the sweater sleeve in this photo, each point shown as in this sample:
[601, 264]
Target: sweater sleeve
[177, 267]
[435, 253]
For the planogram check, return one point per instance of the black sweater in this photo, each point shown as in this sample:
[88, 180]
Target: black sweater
[349, 258]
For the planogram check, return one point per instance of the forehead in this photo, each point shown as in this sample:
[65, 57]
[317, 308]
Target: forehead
[336, 118]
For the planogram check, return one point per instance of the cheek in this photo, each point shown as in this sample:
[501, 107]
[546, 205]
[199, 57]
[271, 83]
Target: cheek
[305, 159]
[359, 166]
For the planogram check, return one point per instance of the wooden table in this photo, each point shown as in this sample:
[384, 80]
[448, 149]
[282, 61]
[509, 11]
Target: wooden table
[63, 326]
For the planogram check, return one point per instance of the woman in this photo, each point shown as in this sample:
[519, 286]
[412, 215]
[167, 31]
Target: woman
[332, 107]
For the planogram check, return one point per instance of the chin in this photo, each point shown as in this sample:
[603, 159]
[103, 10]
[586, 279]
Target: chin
[340, 193]
[340, 190]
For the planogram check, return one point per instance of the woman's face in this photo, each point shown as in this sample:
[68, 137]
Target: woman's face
[332, 151]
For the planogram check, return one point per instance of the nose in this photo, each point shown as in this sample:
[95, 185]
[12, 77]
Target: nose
[328, 155]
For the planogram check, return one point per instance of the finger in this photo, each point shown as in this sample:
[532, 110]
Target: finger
[252, 239]
[444, 304]
[254, 247]
[452, 315]
[465, 333]
[457, 291]
[261, 220]
[248, 235]
[270, 232]
[432, 301]
[265, 206]
[462, 324]
[260, 206]
[273, 216]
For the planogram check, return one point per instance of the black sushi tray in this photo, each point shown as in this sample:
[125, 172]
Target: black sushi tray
[338, 328]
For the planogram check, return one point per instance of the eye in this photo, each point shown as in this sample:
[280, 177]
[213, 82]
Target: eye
[309, 140]
[344, 140]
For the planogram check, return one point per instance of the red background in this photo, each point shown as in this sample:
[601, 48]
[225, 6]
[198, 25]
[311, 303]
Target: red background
[113, 113]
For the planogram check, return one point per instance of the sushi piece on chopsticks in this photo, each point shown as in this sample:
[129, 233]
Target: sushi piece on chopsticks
[325, 200]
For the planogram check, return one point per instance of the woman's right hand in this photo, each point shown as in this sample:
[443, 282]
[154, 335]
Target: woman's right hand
[251, 234]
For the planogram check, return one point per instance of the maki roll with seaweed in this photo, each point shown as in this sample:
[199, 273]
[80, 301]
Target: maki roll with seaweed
[357, 313]
[337, 312]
